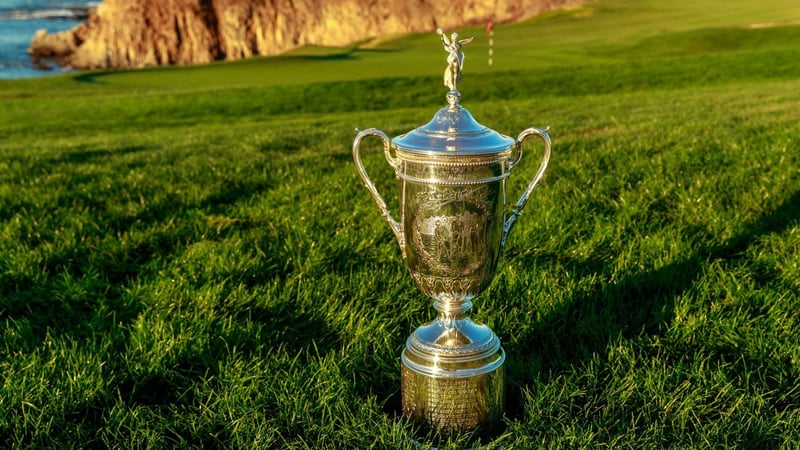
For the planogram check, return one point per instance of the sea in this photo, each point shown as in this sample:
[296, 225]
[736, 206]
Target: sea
[19, 20]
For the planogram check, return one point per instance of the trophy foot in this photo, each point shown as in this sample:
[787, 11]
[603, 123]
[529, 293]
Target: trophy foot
[452, 376]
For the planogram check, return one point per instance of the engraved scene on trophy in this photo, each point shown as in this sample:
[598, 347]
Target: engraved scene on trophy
[449, 234]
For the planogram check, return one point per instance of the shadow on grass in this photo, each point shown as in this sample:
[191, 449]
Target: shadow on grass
[329, 57]
[641, 303]
[81, 286]
[86, 289]
[85, 155]
[89, 156]
[346, 54]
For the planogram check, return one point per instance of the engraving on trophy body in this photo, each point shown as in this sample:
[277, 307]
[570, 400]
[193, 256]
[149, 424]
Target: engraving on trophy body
[481, 400]
[453, 230]
[448, 234]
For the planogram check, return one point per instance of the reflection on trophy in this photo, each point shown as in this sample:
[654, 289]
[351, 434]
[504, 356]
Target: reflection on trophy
[453, 226]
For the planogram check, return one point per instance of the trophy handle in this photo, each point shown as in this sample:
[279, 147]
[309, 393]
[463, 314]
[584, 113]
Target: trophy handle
[541, 134]
[397, 228]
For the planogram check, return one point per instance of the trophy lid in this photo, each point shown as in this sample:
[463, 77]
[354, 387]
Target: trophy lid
[453, 131]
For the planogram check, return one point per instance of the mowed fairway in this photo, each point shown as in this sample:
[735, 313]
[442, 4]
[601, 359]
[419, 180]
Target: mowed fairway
[189, 259]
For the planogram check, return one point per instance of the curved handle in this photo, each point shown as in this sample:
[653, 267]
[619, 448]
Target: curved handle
[397, 228]
[515, 213]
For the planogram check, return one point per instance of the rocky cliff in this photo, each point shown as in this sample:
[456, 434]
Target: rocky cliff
[139, 33]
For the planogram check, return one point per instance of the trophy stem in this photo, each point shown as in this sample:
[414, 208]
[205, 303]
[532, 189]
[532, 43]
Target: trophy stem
[452, 372]
[449, 309]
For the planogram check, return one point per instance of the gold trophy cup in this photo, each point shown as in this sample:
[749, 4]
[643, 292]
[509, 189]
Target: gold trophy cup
[453, 226]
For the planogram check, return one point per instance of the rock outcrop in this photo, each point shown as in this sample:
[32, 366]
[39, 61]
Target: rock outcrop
[140, 33]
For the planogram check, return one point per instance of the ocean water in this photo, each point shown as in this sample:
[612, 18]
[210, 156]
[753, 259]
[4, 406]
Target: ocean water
[19, 20]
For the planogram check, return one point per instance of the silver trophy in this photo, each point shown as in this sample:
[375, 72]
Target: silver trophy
[453, 226]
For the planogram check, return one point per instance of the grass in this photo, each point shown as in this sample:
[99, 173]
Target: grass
[188, 258]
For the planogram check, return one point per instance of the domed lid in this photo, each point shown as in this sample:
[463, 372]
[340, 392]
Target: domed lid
[453, 130]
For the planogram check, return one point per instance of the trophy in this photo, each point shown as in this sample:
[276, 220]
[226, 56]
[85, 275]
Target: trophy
[453, 226]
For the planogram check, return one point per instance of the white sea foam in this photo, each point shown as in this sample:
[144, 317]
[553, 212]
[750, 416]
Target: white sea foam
[53, 11]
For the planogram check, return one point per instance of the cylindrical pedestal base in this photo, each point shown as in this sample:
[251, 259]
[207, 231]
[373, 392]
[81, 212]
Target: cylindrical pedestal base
[454, 404]
[452, 373]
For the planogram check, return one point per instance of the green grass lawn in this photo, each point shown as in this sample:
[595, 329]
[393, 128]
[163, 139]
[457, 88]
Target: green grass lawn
[188, 257]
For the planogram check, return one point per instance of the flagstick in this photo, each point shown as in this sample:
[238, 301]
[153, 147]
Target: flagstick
[491, 45]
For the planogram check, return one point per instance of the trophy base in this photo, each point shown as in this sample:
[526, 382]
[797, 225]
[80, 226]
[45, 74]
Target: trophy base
[452, 377]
